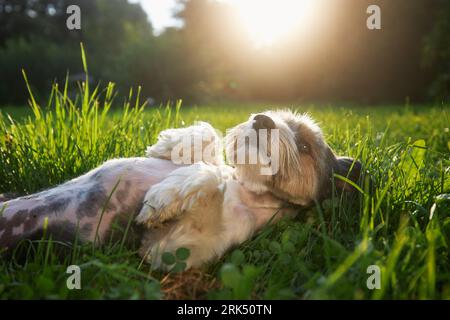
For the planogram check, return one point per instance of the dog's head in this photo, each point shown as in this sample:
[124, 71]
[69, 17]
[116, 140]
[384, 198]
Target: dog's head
[293, 161]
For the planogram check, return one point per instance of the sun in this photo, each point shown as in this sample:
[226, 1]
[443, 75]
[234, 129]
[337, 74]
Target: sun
[268, 21]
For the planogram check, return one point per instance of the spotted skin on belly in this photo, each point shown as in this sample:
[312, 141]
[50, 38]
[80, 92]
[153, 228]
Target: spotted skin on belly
[92, 201]
[91, 204]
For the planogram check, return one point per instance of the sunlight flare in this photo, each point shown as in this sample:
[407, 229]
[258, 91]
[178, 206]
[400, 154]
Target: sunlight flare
[268, 21]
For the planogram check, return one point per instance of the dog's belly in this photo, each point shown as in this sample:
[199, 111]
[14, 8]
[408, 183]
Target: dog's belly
[85, 206]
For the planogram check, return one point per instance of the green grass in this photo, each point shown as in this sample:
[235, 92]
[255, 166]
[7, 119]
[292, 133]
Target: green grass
[322, 253]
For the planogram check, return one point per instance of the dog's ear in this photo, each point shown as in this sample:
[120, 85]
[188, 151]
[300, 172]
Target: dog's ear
[350, 169]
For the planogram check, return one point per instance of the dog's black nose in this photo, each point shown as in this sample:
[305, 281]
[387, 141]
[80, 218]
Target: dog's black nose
[263, 122]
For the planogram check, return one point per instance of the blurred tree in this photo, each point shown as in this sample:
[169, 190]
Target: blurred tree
[437, 53]
[335, 58]
[45, 18]
[33, 36]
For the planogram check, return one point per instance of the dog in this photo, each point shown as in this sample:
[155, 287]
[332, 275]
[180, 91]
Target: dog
[205, 206]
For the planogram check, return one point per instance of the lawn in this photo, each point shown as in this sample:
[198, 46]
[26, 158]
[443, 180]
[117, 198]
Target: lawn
[401, 225]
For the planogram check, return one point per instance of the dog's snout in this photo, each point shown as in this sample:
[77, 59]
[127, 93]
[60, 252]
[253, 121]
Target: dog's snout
[262, 121]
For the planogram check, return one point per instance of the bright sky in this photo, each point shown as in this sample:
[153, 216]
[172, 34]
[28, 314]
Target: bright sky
[266, 21]
[160, 13]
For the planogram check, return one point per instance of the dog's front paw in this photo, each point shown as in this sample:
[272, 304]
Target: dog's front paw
[145, 215]
[183, 190]
[157, 208]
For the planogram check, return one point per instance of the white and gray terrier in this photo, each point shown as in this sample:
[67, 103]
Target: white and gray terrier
[205, 206]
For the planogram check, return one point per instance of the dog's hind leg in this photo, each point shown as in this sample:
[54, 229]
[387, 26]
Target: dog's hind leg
[24, 217]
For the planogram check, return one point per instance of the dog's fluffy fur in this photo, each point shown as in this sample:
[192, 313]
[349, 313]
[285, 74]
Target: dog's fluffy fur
[206, 207]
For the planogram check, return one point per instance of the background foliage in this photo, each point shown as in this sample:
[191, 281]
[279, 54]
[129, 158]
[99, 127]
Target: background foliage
[211, 58]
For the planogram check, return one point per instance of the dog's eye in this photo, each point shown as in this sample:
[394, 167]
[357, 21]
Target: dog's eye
[302, 147]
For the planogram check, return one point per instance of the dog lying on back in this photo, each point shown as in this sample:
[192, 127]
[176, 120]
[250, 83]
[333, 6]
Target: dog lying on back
[205, 205]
